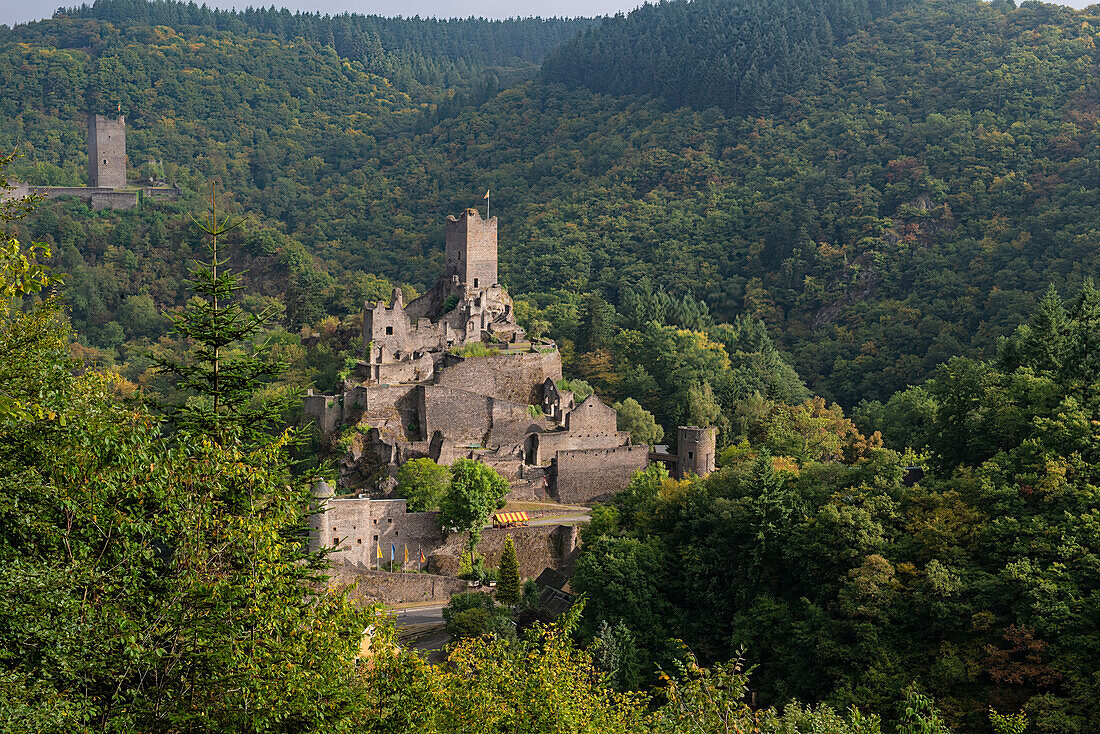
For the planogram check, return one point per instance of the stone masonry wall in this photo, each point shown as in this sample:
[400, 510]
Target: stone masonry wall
[592, 416]
[115, 200]
[547, 445]
[324, 410]
[514, 377]
[358, 527]
[511, 423]
[471, 249]
[373, 587]
[591, 475]
[537, 547]
[462, 416]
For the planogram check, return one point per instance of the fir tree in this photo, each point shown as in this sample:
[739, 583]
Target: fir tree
[508, 581]
[227, 367]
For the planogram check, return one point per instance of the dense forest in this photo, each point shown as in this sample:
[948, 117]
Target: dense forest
[741, 57]
[856, 236]
[906, 206]
[851, 582]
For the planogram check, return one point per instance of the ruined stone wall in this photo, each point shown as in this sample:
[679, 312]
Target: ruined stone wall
[115, 200]
[462, 416]
[358, 527]
[556, 403]
[696, 449]
[514, 377]
[106, 152]
[537, 547]
[547, 445]
[390, 332]
[382, 326]
[591, 416]
[402, 372]
[390, 408]
[324, 410]
[511, 423]
[593, 475]
[382, 587]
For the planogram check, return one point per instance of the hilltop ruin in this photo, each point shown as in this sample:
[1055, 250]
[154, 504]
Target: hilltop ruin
[451, 375]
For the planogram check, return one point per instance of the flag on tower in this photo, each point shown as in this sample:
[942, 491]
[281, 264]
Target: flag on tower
[120, 108]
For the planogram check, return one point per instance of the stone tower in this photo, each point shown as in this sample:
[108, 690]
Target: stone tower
[696, 449]
[106, 152]
[471, 252]
[319, 537]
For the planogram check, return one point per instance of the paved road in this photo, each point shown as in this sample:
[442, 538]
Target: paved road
[556, 520]
[562, 520]
[417, 615]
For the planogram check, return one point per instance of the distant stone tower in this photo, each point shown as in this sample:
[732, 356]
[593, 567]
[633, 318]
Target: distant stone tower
[471, 252]
[696, 449]
[106, 152]
[319, 537]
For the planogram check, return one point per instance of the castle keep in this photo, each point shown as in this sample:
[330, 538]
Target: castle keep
[106, 152]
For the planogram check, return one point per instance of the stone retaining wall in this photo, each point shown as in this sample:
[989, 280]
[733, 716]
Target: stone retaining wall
[372, 587]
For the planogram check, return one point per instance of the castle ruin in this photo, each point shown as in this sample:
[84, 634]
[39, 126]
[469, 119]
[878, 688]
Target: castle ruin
[107, 184]
[452, 375]
[696, 452]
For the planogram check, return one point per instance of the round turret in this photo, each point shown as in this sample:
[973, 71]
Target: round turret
[696, 449]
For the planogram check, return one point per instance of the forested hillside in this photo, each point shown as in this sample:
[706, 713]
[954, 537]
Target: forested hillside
[905, 205]
[741, 57]
[845, 582]
[728, 213]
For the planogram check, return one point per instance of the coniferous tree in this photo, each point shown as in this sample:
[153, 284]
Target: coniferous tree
[508, 589]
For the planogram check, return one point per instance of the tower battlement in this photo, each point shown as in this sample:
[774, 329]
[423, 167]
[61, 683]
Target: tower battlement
[471, 251]
[106, 152]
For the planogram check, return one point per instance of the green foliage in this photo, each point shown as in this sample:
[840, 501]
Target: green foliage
[631, 417]
[681, 51]
[851, 260]
[423, 483]
[30, 340]
[508, 590]
[1007, 723]
[579, 388]
[539, 683]
[476, 489]
[475, 349]
[704, 700]
[919, 715]
[836, 561]
[614, 652]
[473, 615]
[219, 383]
[154, 585]
[449, 304]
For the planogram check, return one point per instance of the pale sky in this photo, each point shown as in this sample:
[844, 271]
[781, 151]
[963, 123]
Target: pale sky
[22, 11]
